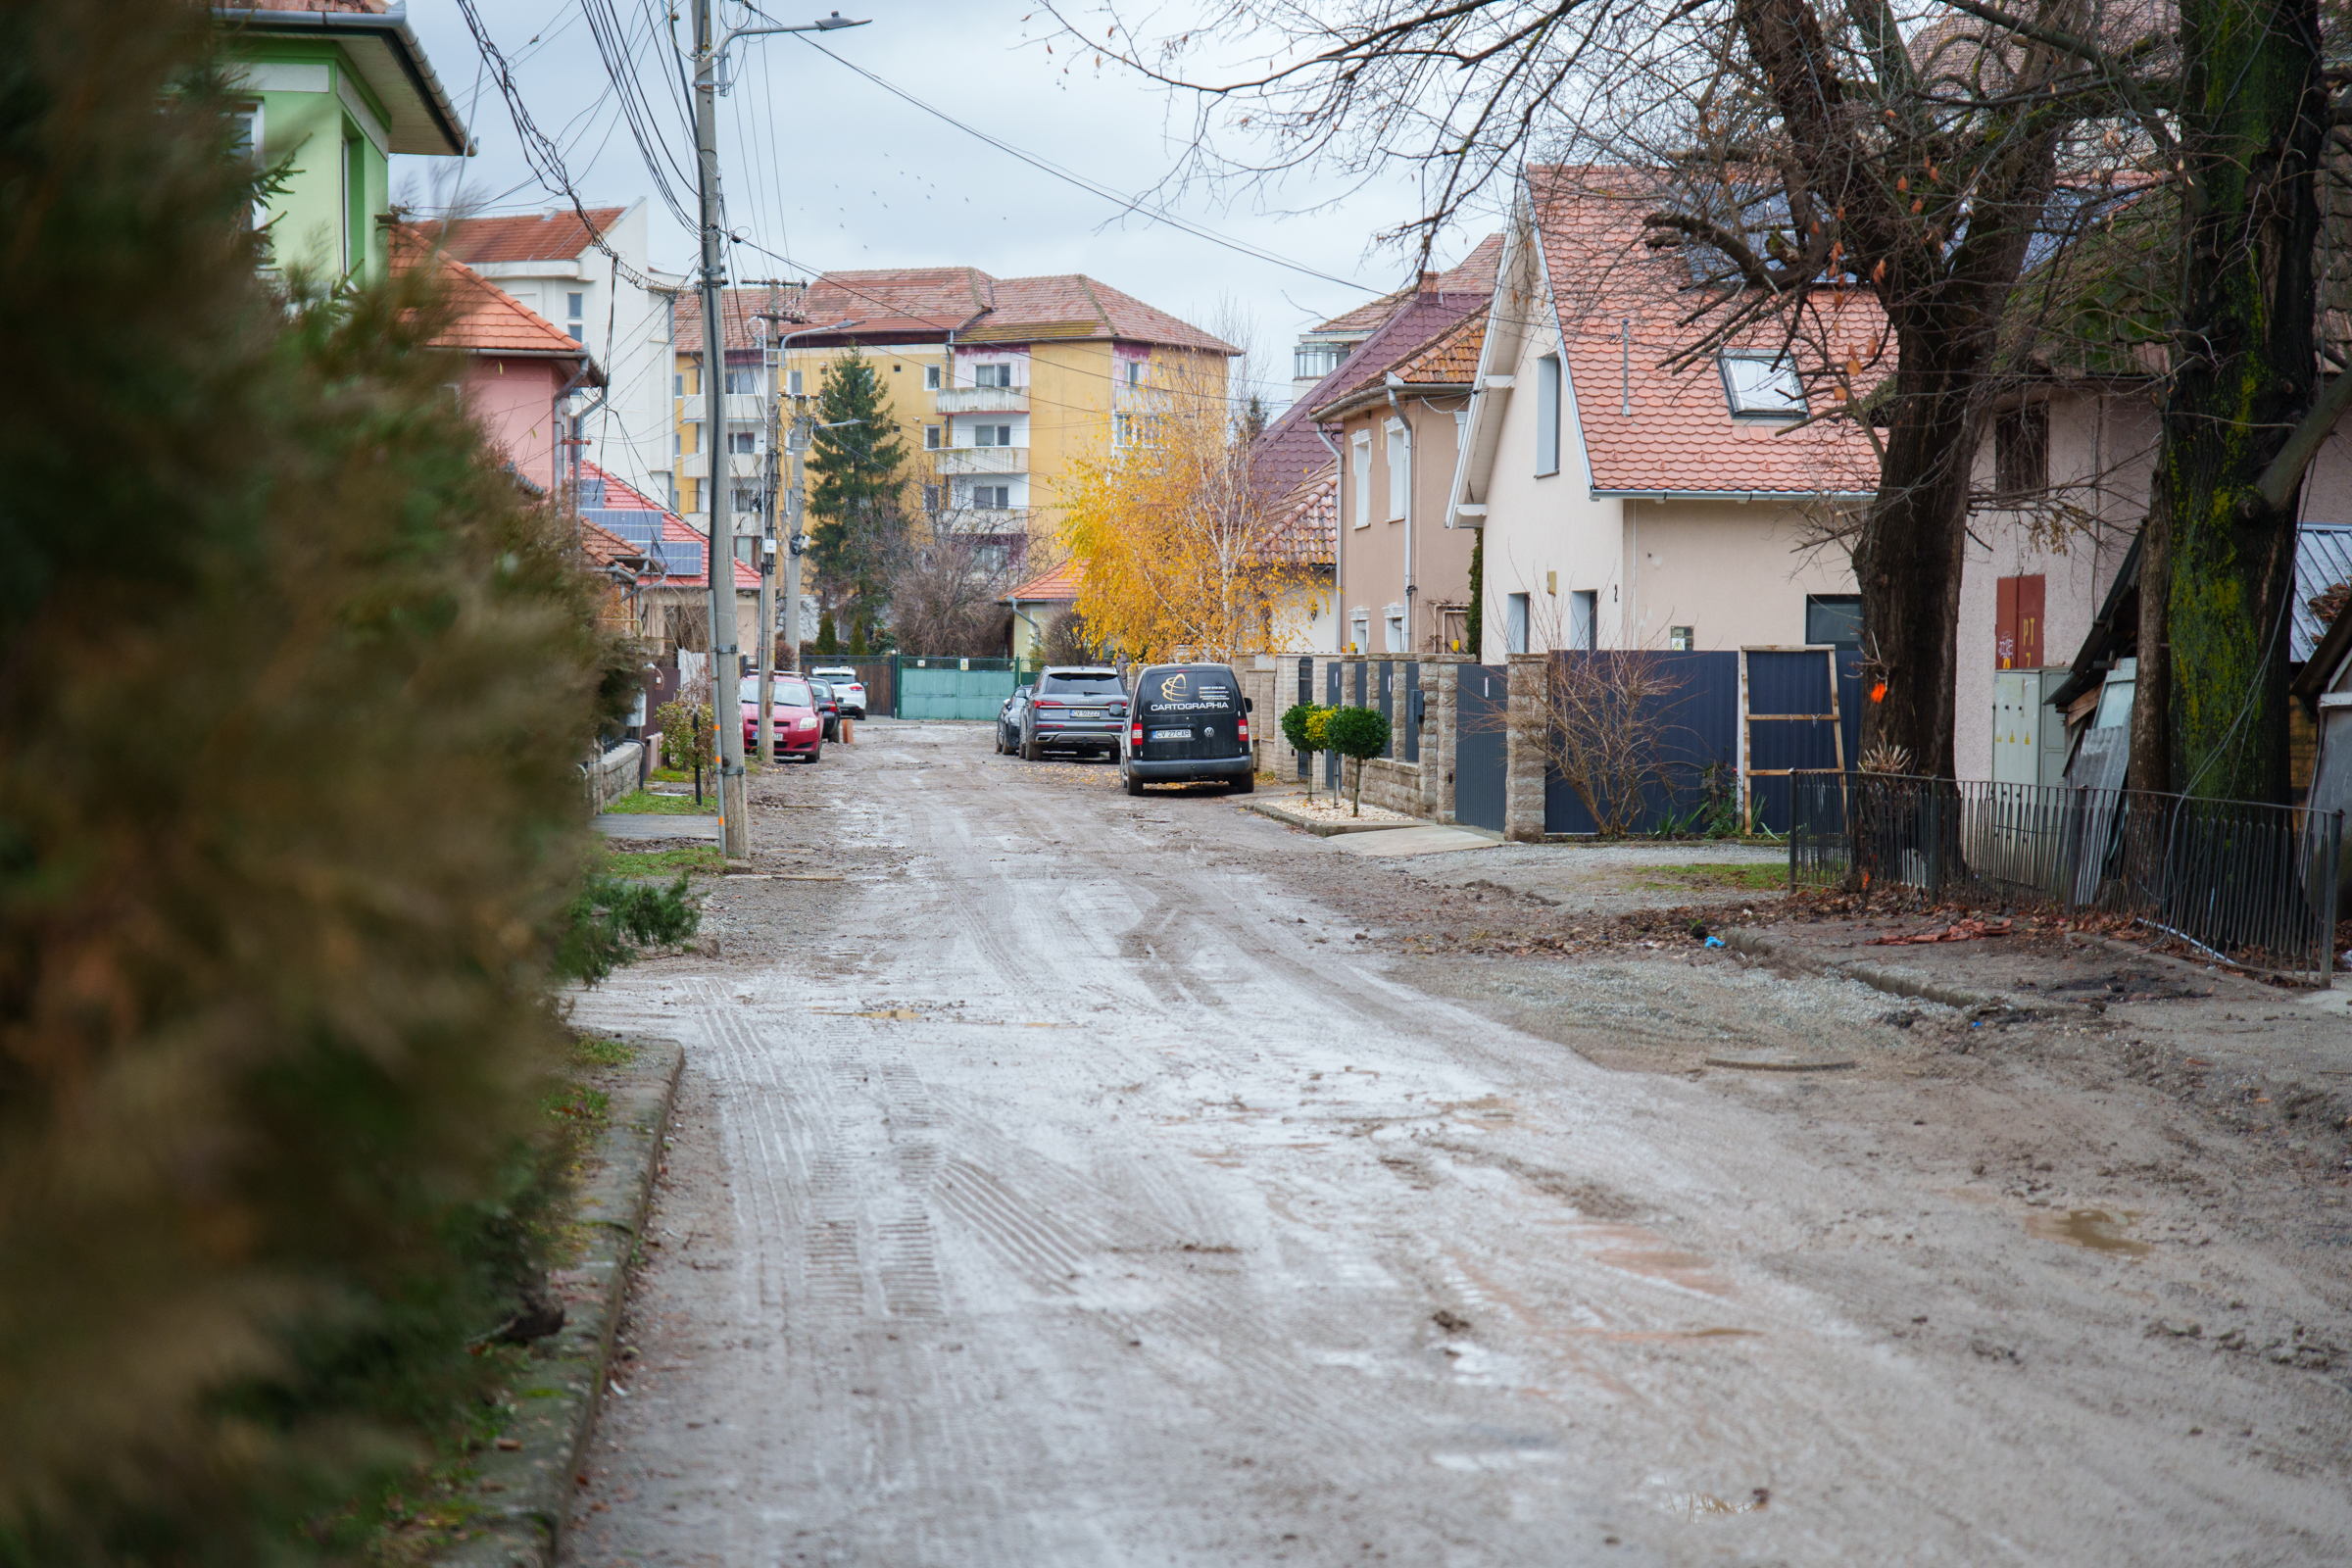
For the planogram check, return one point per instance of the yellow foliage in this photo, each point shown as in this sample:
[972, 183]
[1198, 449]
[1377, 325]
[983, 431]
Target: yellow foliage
[1179, 558]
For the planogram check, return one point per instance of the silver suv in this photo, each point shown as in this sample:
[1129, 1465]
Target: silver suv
[1074, 708]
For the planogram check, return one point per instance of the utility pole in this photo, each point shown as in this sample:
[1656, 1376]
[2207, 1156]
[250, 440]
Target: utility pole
[726, 657]
[773, 364]
[726, 665]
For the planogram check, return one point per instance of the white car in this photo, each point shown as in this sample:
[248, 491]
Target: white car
[848, 689]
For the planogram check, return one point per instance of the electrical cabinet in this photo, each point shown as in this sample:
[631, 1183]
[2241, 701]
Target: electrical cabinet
[2029, 739]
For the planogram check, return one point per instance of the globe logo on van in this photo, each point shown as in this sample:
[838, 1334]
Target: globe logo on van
[1174, 689]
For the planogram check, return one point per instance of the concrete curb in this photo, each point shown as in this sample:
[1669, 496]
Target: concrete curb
[1896, 983]
[526, 1494]
[1325, 830]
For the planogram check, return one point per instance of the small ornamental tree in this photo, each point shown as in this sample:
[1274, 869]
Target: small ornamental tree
[1361, 733]
[1303, 727]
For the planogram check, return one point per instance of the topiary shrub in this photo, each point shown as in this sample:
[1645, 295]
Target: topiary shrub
[1302, 726]
[1361, 733]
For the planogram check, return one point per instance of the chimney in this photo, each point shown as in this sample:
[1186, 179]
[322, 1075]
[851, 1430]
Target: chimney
[1429, 283]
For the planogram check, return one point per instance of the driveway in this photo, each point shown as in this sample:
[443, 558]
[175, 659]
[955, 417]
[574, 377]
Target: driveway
[1086, 1180]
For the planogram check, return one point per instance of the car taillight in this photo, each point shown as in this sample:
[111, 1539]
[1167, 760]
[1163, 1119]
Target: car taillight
[1136, 735]
[1045, 701]
[1243, 730]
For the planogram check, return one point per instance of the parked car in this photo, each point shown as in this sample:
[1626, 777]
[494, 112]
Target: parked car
[1074, 708]
[798, 729]
[848, 689]
[1191, 724]
[1009, 720]
[828, 707]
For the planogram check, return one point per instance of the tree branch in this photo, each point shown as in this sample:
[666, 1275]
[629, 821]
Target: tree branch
[2277, 481]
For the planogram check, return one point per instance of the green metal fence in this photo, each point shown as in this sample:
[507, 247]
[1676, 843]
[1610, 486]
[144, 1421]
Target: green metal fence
[956, 688]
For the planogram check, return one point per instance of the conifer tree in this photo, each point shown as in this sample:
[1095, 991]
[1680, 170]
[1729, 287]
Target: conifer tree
[857, 487]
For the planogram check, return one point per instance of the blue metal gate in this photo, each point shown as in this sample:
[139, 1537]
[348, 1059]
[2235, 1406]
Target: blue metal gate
[1479, 713]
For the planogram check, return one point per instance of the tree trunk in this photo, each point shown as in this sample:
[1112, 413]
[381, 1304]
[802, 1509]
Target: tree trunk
[2253, 123]
[1907, 559]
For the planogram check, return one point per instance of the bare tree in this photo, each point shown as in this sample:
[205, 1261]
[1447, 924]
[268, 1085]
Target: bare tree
[945, 583]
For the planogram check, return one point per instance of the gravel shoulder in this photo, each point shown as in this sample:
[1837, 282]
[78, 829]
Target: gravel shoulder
[1085, 1179]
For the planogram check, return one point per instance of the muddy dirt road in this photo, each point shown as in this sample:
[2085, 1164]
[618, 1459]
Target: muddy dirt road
[1071, 1184]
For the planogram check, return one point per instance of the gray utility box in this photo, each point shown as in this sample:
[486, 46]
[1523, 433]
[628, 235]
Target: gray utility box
[2029, 739]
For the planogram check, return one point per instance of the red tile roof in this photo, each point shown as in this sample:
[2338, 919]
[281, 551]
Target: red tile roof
[1610, 290]
[1057, 587]
[622, 497]
[934, 300]
[1425, 319]
[604, 548]
[484, 318]
[552, 236]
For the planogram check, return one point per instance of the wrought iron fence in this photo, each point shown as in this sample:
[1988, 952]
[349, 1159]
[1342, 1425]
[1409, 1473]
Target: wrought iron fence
[2253, 885]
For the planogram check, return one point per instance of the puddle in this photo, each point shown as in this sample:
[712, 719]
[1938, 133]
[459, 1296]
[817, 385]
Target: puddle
[2094, 1228]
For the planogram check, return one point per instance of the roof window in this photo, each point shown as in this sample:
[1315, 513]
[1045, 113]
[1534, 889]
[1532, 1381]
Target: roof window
[1760, 386]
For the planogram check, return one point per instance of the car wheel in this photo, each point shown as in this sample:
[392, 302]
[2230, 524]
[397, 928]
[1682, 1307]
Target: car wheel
[817, 751]
[999, 740]
[1245, 785]
[1135, 786]
[1033, 751]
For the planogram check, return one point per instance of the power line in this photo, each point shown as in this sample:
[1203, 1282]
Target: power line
[1090, 187]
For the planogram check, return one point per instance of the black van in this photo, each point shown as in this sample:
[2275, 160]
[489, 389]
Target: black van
[1188, 723]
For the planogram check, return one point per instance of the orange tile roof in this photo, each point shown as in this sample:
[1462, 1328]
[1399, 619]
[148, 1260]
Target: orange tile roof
[935, 300]
[1474, 273]
[1620, 306]
[604, 548]
[551, 237]
[1057, 587]
[1307, 534]
[1452, 356]
[484, 318]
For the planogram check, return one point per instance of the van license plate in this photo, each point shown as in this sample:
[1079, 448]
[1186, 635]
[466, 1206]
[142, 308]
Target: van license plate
[1170, 735]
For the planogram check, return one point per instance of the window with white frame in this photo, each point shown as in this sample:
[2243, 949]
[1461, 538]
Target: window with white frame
[930, 438]
[742, 442]
[1761, 387]
[792, 382]
[1393, 629]
[930, 378]
[575, 306]
[992, 375]
[1547, 415]
[1360, 473]
[992, 435]
[992, 497]
[1400, 471]
[742, 381]
[1135, 373]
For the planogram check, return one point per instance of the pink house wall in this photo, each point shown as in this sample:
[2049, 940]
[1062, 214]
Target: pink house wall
[514, 400]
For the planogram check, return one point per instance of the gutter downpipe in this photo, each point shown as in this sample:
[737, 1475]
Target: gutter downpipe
[1410, 588]
[1339, 535]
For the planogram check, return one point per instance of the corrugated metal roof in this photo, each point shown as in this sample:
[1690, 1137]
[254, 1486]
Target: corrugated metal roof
[2322, 559]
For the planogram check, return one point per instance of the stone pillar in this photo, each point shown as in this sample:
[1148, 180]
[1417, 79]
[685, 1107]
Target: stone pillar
[1441, 688]
[1524, 764]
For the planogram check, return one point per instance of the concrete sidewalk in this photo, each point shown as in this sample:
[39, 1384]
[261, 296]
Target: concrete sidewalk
[656, 825]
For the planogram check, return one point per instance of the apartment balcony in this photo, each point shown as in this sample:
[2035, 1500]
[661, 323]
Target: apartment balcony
[985, 399]
[983, 460]
[739, 465]
[981, 520]
[742, 408]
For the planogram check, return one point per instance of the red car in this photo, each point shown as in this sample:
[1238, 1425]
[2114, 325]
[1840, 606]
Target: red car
[799, 731]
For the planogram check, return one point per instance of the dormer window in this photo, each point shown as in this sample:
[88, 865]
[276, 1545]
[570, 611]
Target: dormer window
[1760, 386]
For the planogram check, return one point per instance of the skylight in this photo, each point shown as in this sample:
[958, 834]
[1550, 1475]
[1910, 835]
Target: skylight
[1761, 387]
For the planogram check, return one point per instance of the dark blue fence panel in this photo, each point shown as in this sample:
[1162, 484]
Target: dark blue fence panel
[1331, 699]
[1479, 713]
[1702, 728]
[1796, 681]
[1306, 694]
[1412, 714]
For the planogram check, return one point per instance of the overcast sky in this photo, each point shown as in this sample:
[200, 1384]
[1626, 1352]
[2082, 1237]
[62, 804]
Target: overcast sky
[830, 170]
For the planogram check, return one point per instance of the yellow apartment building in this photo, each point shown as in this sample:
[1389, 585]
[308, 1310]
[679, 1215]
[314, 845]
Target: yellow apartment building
[997, 385]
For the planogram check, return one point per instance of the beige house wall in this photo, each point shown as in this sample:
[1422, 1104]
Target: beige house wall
[1373, 565]
[1736, 574]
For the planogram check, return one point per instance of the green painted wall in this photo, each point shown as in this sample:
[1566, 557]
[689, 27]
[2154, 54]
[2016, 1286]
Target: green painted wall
[339, 178]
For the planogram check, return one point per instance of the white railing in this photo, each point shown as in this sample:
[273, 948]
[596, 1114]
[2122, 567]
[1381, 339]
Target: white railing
[985, 399]
[983, 460]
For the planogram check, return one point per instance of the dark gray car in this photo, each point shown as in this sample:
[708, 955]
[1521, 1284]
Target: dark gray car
[1074, 708]
[1191, 724]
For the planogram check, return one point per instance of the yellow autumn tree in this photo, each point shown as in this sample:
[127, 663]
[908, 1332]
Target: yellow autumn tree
[1179, 556]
